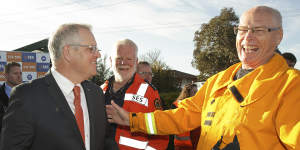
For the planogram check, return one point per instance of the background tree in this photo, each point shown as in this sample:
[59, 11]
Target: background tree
[215, 44]
[153, 57]
[103, 72]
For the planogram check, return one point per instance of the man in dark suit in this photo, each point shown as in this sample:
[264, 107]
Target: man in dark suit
[13, 76]
[61, 111]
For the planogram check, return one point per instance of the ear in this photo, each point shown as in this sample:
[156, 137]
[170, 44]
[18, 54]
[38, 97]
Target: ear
[66, 53]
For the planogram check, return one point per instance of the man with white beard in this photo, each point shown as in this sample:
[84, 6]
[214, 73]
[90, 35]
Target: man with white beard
[130, 91]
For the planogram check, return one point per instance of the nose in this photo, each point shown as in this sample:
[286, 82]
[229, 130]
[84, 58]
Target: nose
[249, 34]
[123, 61]
[248, 37]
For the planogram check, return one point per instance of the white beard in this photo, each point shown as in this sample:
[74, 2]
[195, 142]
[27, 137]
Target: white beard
[119, 77]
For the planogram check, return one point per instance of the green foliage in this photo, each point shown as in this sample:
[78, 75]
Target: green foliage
[103, 72]
[164, 81]
[215, 44]
[169, 97]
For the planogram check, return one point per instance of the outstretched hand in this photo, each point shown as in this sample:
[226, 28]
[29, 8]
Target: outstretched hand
[116, 114]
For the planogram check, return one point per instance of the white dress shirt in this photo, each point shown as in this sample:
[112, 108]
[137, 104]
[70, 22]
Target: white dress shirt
[66, 86]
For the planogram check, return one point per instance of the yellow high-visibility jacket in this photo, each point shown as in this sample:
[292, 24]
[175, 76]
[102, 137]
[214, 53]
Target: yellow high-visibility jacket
[260, 111]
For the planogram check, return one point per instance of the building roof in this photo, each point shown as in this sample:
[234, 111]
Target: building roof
[40, 45]
[183, 75]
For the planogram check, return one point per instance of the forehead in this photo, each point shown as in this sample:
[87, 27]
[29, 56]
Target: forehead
[125, 51]
[87, 37]
[15, 68]
[256, 18]
[144, 67]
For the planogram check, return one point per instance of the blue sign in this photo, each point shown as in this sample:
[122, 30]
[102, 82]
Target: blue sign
[42, 67]
[28, 57]
[2, 66]
[29, 76]
[43, 58]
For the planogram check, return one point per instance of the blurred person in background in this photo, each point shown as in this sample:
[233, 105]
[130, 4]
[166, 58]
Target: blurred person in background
[144, 70]
[13, 77]
[186, 141]
[290, 59]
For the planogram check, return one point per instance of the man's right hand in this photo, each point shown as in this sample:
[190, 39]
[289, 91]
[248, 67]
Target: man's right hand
[116, 114]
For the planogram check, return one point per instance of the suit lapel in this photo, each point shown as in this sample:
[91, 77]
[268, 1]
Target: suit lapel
[62, 105]
[91, 110]
[5, 97]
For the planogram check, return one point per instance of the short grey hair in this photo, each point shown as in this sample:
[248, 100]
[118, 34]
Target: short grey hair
[65, 34]
[144, 63]
[127, 42]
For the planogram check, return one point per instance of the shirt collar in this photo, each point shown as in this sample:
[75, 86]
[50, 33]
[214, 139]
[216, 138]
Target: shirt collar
[7, 89]
[64, 83]
[7, 86]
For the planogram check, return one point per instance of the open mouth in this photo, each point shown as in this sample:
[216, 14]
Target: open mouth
[94, 63]
[250, 49]
[123, 68]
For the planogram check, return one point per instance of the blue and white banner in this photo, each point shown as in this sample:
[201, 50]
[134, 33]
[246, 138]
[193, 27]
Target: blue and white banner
[33, 64]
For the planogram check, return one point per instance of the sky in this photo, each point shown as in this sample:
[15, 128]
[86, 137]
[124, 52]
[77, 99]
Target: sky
[164, 25]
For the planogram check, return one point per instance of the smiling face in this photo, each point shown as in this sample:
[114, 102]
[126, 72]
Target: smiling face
[124, 62]
[255, 49]
[85, 60]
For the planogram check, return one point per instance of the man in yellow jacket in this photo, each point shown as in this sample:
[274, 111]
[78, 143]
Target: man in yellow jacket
[252, 105]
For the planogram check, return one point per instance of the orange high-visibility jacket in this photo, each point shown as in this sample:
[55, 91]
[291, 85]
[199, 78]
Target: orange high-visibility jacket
[139, 97]
[259, 111]
[183, 139]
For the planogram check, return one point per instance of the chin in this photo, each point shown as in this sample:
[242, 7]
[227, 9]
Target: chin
[126, 76]
[123, 76]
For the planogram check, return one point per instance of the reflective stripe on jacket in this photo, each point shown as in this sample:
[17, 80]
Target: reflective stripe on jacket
[139, 97]
[259, 111]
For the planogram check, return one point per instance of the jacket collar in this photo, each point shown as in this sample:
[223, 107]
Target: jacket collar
[251, 85]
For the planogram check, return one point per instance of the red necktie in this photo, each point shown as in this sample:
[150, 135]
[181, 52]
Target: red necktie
[79, 112]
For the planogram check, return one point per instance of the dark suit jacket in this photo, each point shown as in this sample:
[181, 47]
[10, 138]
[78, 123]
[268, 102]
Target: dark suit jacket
[39, 118]
[3, 103]
[3, 97]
